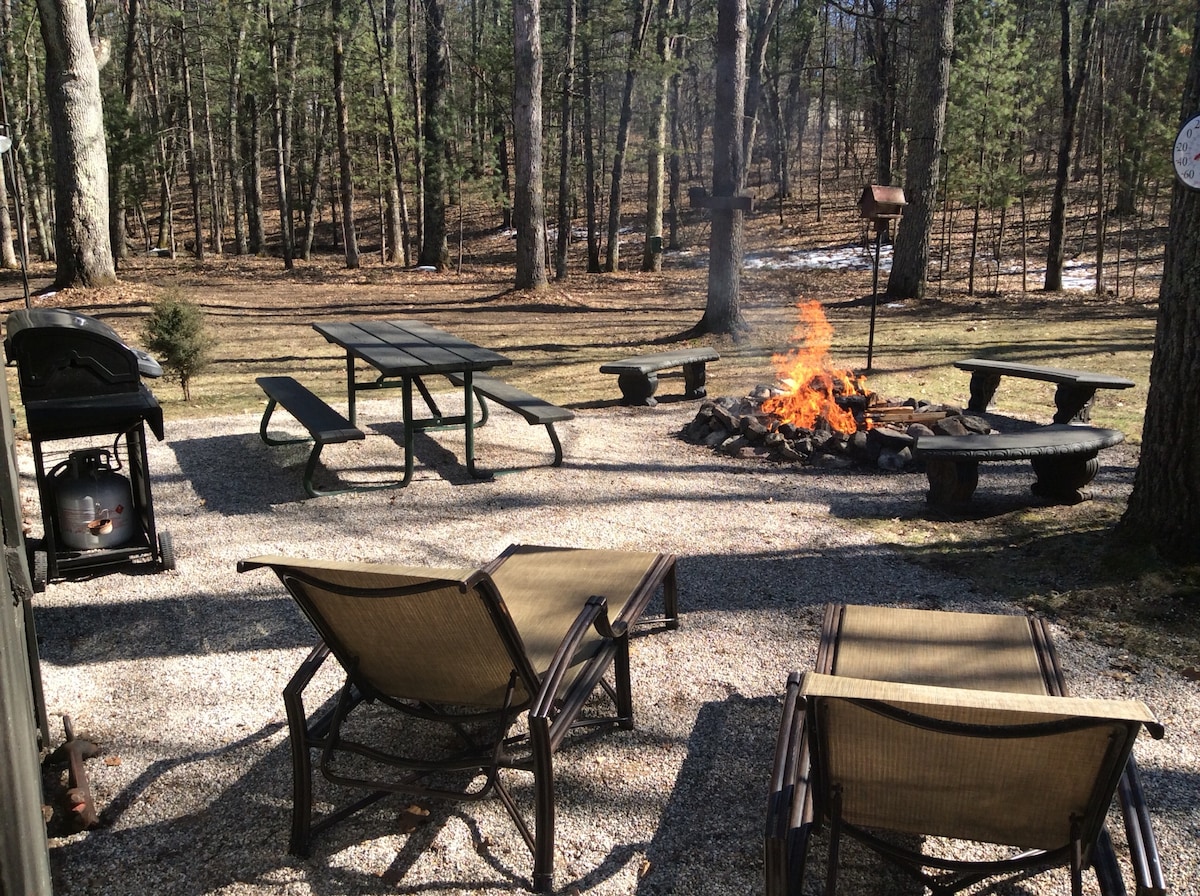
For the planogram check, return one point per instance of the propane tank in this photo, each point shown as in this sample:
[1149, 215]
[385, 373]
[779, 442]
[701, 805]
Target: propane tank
[94, 504]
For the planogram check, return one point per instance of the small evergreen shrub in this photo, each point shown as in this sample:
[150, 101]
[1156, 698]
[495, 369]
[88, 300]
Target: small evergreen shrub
[176, 335]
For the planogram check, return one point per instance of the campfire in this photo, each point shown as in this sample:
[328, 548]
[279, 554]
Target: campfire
[822, 414]
[816, 392]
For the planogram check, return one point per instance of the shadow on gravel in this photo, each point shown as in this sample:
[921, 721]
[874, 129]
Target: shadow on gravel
[712, 828]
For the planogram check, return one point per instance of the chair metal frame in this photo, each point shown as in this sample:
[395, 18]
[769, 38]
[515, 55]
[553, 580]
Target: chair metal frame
[551, 701]
[795, 811]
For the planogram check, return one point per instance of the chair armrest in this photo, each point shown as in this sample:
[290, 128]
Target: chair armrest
[593, 615]
[921, 698]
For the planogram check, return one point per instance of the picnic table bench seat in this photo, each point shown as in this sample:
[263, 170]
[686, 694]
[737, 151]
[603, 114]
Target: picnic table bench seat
[324, 424]
[1064, 459]
[1073, 398]
[637, 376]
[533, 409]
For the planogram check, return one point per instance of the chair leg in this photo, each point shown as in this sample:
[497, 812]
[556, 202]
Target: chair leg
[835, 836]
[543, 796]
[671, 598]
[623, 687]
[298, 738]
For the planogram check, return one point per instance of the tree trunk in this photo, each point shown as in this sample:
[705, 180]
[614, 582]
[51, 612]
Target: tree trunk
[1072, 91]
[121, 134]
[591, 189]
[435, 251]
[656, 138]
[884, 80]
[768, 12]
[281, 171]
[418, 120]
[563, 216]
[612, 251]
[321, 133]
[237, 183]
[342, 113]
[189, 129]
[1164, 507]
[722, 313]
[910, 259]
[529, 213]
[81, 238]
[397, 213]
[215, 192]
[254, 189]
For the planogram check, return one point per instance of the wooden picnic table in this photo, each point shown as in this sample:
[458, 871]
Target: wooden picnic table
[403, 352]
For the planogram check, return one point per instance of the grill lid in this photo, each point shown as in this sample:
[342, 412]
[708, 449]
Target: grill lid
[32, 323]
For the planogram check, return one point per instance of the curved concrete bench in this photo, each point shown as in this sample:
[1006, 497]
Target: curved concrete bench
[1063, 457]
[638, 379]
[1072, 399]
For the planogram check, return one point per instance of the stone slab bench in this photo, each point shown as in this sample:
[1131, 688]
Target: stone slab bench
[535, 410]
[637, 377]
[325, 425]
[1064, 459]
[1073, 398]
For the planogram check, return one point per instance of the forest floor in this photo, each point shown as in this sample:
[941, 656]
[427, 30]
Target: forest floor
[261, 317]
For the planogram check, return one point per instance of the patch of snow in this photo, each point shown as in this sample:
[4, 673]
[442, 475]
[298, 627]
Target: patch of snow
[834, 258]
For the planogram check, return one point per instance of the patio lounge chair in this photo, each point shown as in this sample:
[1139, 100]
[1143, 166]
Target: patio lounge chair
[468, 655]
[953, 725]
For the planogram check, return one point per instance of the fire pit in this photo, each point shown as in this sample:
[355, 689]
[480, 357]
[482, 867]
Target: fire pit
[821, 414]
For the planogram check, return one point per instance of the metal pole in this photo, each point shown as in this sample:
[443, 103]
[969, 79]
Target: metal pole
[874, 293]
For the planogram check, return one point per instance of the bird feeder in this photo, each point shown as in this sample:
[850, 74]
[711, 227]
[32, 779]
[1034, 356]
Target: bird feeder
[879, 204]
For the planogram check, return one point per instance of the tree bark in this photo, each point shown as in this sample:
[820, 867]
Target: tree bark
[884, 80]
[435, 251]
[656, 138]
[722, 313]
[345, 168]
[398, 245]
[529, 212]
[612, 251]
[121, 134]
[1072, 91]
[281, 170]
[590, 188]
[563, 216]
[1164, 507]
[910, 258]
[237, 183]
[768, 12]
[81, 238]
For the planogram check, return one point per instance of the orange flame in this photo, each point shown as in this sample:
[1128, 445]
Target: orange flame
[811, 379]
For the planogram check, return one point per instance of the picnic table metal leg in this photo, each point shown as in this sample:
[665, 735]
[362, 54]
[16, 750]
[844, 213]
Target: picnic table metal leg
[350, 390]
[469, 425]
[409, 428]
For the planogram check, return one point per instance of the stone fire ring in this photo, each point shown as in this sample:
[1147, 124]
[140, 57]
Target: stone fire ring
[1063, 457]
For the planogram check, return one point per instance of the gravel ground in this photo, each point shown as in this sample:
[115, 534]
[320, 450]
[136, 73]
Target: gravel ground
[177, 675]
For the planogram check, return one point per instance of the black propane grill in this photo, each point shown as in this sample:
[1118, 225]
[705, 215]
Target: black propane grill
[79, 380]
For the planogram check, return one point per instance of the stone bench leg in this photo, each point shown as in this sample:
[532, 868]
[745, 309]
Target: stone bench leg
[983, 390]
[694, 379]
[951, 481]
[1062, 478]
[638, 388]
[1073, 403]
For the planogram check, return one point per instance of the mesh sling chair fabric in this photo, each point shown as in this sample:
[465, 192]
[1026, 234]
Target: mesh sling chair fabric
[474, 652]
[994, 660]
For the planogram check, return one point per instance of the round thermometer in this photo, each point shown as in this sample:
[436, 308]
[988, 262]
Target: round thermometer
[1187, 154]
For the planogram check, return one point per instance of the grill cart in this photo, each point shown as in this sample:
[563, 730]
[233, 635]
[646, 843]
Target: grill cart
[80, 381]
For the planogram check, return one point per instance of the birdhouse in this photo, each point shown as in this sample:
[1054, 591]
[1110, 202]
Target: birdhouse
[879, 203]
